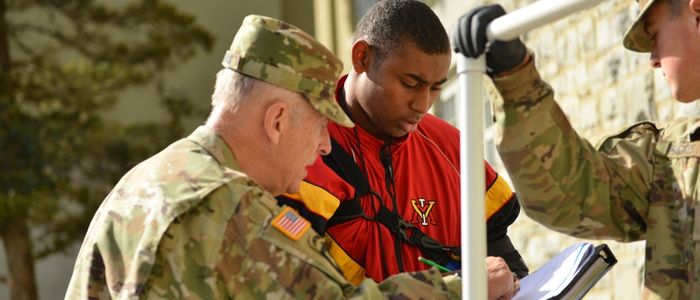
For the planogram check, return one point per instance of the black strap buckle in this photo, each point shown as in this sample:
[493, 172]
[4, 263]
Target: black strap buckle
[407, 231]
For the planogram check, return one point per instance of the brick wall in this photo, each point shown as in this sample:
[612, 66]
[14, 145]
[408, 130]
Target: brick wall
[601, 86]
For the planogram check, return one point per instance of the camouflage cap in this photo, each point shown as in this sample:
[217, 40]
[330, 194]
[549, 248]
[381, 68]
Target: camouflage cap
[282, 54]
[636, 38]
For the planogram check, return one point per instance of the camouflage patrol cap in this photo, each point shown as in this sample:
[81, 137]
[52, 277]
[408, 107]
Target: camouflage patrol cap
[636, 38]
[283, 55]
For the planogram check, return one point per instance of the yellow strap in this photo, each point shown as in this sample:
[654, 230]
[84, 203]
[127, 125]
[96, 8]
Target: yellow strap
[497, 196]
[316, 199]
[352, 271]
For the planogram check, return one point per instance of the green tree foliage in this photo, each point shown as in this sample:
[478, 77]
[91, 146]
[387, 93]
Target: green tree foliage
[63, 63]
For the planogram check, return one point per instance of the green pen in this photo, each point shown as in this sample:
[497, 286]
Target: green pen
[433, 264]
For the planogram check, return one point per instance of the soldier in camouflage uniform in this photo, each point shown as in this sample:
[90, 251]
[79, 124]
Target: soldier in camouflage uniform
[640, 183]
[199, 219]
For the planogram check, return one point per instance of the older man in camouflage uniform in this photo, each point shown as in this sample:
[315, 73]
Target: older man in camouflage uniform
[199, 221]
[640, 183]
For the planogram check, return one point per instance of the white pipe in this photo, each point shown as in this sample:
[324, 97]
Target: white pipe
[470, 108]
[472, 182]
[527, 18]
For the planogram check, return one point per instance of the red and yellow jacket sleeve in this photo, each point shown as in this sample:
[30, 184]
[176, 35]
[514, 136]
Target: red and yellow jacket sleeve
[498, 192]
[319, 196]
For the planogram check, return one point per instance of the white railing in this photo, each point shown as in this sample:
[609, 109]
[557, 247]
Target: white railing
[470, 122]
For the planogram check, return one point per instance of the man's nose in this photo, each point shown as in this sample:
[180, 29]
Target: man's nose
[654, 60]
[422, 101]
[324, 147]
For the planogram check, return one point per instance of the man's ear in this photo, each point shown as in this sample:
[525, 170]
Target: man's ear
[360, 55]
[694, 7]
[274, 121]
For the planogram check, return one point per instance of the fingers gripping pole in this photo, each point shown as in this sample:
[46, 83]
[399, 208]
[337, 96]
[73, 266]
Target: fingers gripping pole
[470, 109]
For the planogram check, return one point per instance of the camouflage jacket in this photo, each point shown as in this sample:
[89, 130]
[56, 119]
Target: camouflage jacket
[637, 184]
[186, 224]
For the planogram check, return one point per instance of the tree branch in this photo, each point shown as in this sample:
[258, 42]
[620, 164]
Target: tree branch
[57, 34]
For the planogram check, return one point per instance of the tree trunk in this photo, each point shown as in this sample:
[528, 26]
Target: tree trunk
[5, 66]
[20, 261]
[14, 232]
[4, 42]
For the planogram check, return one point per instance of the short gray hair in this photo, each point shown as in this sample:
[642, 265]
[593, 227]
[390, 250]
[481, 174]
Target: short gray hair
[232, 89]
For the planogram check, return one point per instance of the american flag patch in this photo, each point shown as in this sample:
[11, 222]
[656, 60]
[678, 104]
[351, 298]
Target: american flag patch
[290, 223]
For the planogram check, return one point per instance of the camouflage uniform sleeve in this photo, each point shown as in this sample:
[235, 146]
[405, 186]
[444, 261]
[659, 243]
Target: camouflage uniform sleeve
[562, 180]
[428, 284]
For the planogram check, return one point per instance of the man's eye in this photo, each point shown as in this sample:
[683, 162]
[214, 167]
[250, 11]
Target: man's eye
[409, 85]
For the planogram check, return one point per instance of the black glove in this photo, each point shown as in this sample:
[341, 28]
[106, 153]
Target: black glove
[470, 40]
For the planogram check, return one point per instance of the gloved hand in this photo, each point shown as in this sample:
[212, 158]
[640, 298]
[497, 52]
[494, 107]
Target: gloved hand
[470, 39]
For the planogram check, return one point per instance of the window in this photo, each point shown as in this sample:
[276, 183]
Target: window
[446, 109]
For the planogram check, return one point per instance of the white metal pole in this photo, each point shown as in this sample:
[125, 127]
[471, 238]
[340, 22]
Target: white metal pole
[471, 142]
[470, 122]
[527, 18]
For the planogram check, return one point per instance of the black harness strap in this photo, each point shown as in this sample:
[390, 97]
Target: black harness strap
[344, 165]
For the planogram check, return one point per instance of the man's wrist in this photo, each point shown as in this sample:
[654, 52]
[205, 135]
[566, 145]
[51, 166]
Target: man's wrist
[526, 60]
[522, 84]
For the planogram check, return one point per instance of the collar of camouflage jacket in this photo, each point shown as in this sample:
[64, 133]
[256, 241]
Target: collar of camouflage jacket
[214, 144]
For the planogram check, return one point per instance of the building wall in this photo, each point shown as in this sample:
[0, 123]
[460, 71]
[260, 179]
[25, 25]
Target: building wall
[335, 24]
[601, 86]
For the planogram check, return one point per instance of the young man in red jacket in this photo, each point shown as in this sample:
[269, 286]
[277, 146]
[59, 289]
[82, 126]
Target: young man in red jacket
[391, 184]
